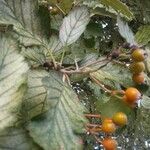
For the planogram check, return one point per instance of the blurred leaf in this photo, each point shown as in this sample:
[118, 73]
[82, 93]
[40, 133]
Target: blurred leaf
[103, 12]
[21, 16]
[125, 31]
[65, 5]
[74, 25]
[35, 99]
[89, 42]
[38, 55]
[56, 128]
[145, 102]
[112, 106]
[12, 81]
[143, 35]
[108, 7]
[148, 59]
[56, 21]
[118, 6]
[17, 139]
[114, 75]
[93, 29]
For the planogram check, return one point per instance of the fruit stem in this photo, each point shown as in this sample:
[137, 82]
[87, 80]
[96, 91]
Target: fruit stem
[93, 115]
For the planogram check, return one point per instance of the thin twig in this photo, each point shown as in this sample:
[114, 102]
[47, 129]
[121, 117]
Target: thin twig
[92, 115]
[101, 85]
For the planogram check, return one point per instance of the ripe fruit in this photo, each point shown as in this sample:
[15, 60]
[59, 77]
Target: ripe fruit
[120, 118]
[137, 67]
[130, 104]
[132, 95]
[138, 78]
[138, 55]
[107, 120]
[108, 127]
[109, 144]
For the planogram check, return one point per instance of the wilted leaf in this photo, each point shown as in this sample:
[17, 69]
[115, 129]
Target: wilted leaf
[12, 81]
[56, 128]
[143, 35]
[17, 139]
[125, 31]
[74, 25]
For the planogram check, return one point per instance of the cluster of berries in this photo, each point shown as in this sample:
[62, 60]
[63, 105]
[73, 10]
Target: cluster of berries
[109, 126]
[138, 66]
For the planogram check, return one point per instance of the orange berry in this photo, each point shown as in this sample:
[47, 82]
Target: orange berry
[108, 127]
[132, 95]
[120, 118]
[109, 144]
[107, 120]
[138, 78]
[138, 55]
[130, 104]
[137, 67]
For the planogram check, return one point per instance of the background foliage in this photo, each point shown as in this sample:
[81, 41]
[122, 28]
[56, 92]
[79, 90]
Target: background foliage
[48, 62]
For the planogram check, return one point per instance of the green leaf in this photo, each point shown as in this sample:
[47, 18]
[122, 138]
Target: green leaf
[38, 55]
[114, 75]
[56, 22]
[108, 7]
[17, 139]
[118, 6]
[65, 5]
[36, 95]
[145, 102]
[125, 31]
[21, 15]
[74, 25]
[143, 35]
[103, 12]
[12, 81]
[56, 128]
[112, 106]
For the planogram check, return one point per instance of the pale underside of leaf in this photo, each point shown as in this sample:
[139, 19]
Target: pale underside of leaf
[145, 102]
[12, 81]
[125, 31]
[74, 25]
[16, 139]
[56, 128]
[113, 76]
[36, 95]
[23, 16]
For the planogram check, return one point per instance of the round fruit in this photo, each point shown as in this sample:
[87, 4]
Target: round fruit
[137, 67]
[130, 104]
[138, 55]
[120, 118]
[132, 95]
[108, 127]
[107, 120]
[138, 78]
[109, 144]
